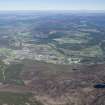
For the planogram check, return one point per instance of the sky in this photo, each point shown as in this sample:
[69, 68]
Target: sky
[52, 4]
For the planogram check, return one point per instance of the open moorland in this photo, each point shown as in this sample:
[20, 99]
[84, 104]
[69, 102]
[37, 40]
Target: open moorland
[52, 58]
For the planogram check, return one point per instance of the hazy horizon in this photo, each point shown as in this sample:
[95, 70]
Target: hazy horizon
[10, 5]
